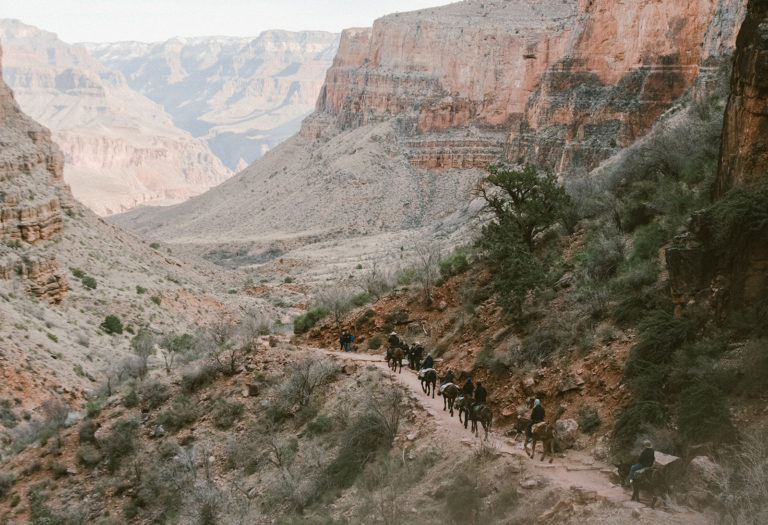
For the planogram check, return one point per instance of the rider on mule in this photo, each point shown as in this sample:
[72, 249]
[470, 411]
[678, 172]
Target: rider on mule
[418, 355]
[645, 460]
[448, 378]
[468, 389]
[428, 362]
[480, 394]
[537, 416]
[394, 342]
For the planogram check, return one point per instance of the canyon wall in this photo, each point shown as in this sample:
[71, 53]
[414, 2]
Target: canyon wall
[121, 148]
[562, 84]
[242, 96]
[32, 195]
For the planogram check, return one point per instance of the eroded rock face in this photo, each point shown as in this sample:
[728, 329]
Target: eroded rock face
[562, 84]
[32, 192]
[744, 153]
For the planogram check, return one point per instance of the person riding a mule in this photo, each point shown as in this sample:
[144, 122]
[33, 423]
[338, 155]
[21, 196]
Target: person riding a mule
[448, 378]
[394, 342]
[418, 355]
[537, 416]
[646, 459]
[468, 389]
[428, 362]
[481, 394]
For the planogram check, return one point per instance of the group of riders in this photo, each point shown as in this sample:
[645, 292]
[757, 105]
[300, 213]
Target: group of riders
[414, 354]
[478, 395]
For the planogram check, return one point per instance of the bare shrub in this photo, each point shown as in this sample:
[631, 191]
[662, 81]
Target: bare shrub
[197, 376]
[154, 393]
[744, 484]
[252, 326]
[379, 281]
[337, 299]
[305, 377]
[7, 479]
[427, 269]
[143, 345]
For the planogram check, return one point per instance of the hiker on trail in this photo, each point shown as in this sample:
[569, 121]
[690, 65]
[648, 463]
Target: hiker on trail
[428, 362]
[468, 389]
[480, 394]
[342, 340]
[348, 338]
[537, 416]
[394, 342]
[645, 460]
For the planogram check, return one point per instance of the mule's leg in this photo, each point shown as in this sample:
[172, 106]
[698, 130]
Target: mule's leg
[433, 390]
[635, 492]
[653, 500]
[552, 450]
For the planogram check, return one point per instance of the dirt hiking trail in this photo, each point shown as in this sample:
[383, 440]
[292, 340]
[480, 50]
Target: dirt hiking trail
[574, 470]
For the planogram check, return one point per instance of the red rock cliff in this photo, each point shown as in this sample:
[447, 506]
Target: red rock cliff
[562, 83]
[32, 191]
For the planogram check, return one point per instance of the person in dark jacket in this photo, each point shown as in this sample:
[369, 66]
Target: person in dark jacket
[342, 340]
[418, 355]
[480, 394]
[348, 338]
[468, 389]
[428, 362]
[646, 459]
[394, 342]
[448, 378]
[537, 416]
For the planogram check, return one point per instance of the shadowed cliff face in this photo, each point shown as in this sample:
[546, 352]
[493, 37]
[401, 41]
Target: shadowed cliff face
[560, 84]
[736, 278]
[744, 154]
[31, 197]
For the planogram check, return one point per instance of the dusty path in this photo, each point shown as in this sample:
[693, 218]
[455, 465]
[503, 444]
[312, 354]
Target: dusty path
[574, 470]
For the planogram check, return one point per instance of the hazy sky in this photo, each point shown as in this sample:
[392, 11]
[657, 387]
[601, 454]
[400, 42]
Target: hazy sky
[153, 20]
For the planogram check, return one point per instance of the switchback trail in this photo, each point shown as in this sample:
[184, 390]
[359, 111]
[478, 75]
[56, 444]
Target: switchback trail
[574, 470]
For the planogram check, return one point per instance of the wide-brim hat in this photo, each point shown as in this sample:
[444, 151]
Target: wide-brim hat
[647, 444]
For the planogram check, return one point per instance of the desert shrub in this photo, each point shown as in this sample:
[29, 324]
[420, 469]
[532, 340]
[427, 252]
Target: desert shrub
[320, 425]
[601, 255]
[462, 498]
[634, 305]
[130, 398]
[155, 299]
[87, 430]
[702, 414]
[198, 376]
[454, 264]
[154, 393]
[660, 334]
[370, 432]
[542, 344]
[304, 322]
[120, 442]
[634, 420]
[7, 479]
[168, 448]
[647, 241]
[140, 290]
[89, 282]
[246, 455]
[375, 342]
[743, 482]
[225, 413]
[405, 276]
[41, 513]
[588, 419]
[7, 418]
[731, 222]
[112, 325]
[77, 272]
[364, 318]
[362, 299]
[88, 455]
[182, 413]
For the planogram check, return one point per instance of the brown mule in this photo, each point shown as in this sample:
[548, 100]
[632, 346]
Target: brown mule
[396, 358]
[450, 392]
[544, 432]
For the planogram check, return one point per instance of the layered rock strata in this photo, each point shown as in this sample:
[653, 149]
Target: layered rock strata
[569, 82]
[32, 192]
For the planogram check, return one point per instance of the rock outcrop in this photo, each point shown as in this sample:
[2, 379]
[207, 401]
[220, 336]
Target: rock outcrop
[242, 96]
[31, 198]
[121, 148]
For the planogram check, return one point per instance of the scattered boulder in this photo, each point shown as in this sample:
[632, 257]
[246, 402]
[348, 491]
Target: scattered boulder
[567, 432]
[253, 389]
[529, 484]
[703, 473]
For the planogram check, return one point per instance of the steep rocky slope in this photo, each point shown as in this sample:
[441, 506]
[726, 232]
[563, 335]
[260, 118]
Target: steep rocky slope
[243, 96]
[413, 108]
[63, 270]
[121, 148]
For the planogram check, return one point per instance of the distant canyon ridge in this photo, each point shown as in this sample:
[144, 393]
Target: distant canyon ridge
[159, 123]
